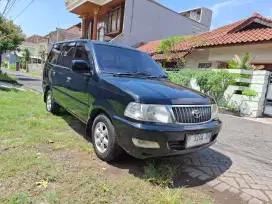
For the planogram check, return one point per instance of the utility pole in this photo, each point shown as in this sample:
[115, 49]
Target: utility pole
[58, 32]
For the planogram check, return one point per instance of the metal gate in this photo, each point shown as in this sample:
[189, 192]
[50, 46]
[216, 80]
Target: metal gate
[268, 102]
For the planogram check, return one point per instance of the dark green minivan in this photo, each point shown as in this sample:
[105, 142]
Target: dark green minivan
[126, 101]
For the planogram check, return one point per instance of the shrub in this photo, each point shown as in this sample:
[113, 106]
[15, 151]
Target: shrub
[243, 62]
[12, 66]
[249, 92]
[215, 83]
[183, 76]
[5, 64]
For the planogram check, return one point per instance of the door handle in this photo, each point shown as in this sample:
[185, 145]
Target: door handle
[54, 73]
[68, 79]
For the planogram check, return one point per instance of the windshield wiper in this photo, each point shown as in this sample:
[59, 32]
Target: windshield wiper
[159, 77]
[131, 74]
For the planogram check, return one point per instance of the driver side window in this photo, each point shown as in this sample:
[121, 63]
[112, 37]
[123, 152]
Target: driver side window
[83, 53]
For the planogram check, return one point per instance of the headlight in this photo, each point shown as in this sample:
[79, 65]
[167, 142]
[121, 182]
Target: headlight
[214, 111]
[149, 113]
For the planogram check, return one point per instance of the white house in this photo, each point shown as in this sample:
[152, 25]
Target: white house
[134, 22]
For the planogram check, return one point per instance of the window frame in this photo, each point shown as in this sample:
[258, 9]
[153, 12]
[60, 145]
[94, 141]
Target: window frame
[51, 51]
[61, 55]
[89, 54]
[118, 23]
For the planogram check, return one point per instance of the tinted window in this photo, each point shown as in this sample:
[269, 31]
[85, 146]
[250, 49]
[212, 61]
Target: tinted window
[54, 54]
[113, 59]
[67, 54]
[81, 52]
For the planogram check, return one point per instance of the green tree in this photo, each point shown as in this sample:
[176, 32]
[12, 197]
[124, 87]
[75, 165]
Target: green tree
[167, 44]
[41, 54]
[242, 63]
[25, 58]
[11, 36]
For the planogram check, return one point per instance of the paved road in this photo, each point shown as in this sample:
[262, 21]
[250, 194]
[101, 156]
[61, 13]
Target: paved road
[240, 162]
[28, 81]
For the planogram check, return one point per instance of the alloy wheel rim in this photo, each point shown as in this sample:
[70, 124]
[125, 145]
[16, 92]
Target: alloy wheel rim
[101, 137]
[49, 102]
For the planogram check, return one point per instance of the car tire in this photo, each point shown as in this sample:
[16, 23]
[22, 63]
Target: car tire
[104, 139]
[51, 105]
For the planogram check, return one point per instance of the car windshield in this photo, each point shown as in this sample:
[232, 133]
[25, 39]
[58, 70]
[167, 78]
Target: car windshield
[119, 61]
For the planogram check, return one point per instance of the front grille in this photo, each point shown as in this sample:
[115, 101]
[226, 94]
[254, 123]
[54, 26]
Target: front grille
[185, 114]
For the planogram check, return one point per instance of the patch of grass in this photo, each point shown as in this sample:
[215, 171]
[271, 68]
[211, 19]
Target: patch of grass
[12, 66]
[6, 78]
[249, 92]
[20, 198]
[160, 172]
[42, 155]
[34, 74]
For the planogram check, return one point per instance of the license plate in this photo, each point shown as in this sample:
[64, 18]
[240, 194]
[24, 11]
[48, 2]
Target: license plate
[194, 140]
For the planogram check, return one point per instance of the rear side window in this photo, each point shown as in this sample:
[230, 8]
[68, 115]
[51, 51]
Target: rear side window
[67, 54]
[54, 54]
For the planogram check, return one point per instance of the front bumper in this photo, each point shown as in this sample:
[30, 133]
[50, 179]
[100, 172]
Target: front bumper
[171, 138]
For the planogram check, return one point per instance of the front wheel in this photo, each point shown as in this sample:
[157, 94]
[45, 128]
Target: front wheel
[51, 105]
[104, 139]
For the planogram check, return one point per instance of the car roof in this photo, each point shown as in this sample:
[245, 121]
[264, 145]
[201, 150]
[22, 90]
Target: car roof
[98, 42]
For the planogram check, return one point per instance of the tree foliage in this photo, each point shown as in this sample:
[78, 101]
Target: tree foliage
[168, 43]
[25, 57]
[11, 36]
[241, 63]
[42, 53]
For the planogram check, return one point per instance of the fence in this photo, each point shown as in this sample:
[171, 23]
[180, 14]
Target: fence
[37, 68]
[250, 106]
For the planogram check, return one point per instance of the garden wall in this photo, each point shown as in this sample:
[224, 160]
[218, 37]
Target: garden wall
[250, 106]
[37, 68]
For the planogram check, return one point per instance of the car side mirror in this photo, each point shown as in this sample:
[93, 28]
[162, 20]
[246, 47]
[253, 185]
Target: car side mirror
[80, 66]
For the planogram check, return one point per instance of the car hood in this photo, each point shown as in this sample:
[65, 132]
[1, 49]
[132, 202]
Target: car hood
[158, 91]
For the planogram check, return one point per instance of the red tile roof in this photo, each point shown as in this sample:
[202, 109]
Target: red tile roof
[226, 35]
[34, 39]
[170, 56]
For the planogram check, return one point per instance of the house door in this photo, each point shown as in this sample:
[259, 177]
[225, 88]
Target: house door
[268, 103]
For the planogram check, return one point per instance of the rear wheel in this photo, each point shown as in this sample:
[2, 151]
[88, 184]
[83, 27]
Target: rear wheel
[51, 105]
[104, 139]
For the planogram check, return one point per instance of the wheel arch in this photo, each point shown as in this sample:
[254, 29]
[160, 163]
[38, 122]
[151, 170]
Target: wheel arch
[46, 89]
[93, 114]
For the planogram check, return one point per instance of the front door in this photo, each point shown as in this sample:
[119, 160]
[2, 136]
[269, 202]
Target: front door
[77, 87]
[62, 75]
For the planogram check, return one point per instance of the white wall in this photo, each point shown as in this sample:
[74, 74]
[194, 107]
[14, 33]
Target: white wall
[199, 56]
[146, 21]
[261, 52]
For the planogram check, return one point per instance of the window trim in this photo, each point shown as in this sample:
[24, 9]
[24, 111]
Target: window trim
[90, 54]
[57, 61]
[73, 55]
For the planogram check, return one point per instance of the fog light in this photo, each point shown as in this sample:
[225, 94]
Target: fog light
[145, 144]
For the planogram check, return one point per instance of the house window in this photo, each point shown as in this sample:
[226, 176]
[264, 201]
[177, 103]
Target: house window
[222, 65]
[204, 65]
[113, 22]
